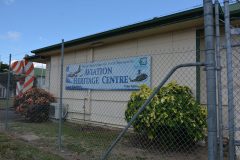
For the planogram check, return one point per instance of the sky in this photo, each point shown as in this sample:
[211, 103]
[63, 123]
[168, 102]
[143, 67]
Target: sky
[26, 25]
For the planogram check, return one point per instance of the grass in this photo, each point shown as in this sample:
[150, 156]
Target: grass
[91, 142]
[84, 140]
[11, 149]
[3, 103]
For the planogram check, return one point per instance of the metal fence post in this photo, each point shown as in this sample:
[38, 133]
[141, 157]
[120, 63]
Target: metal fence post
[61, 95]
[229, 81]
[211, 79]
[219, 81]
[8, 90]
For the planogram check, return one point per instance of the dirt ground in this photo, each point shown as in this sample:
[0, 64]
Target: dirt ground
[121, 152]
[125, 150]
[84, 142]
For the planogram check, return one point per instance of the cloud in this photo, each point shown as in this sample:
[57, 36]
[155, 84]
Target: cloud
[35, 64]
[42, 39]
[11, 35]
[39, 65]
[7, 2]
[13, 61]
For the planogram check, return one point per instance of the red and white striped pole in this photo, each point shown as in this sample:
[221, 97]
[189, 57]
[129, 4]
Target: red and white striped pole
[23, 68]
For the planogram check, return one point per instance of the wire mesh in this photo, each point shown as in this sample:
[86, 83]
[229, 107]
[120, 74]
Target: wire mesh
[172, 127]
[236, 90]
[92, 119]
[235, 60]
[28, 112]
[3, 98]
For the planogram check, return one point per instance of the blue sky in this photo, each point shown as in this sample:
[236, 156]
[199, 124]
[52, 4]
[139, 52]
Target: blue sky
[31, 24]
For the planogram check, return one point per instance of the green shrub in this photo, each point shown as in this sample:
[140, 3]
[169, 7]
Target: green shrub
[34, 104]
[172, 118]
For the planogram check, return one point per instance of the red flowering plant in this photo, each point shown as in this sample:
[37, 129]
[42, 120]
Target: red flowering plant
[34, 104]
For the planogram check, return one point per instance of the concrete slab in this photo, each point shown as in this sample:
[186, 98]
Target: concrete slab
[29, 137]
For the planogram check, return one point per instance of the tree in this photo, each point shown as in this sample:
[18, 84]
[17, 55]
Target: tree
[173, 118]
[3, 67]
[34, 104]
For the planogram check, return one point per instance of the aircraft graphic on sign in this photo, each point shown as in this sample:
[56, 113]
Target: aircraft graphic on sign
[140, 77]
[75, 73]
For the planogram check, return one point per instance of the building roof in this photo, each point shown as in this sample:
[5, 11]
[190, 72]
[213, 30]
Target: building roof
[155, 22]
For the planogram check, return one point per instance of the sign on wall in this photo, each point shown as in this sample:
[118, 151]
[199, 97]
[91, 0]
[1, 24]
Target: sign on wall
[117, 74]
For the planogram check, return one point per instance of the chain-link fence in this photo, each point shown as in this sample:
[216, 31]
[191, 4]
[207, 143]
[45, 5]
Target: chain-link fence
[225, 124]
[7, 85]
[101, 115]
[82, 101]
[230, 123]
[236, 85]
[3, 89]
[173, 125]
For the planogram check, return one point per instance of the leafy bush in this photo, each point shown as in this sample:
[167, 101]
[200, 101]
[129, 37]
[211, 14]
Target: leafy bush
[34, 104]
[172, 118]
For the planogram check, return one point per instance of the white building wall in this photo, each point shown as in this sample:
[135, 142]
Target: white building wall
[47, 75]
[167, 50]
